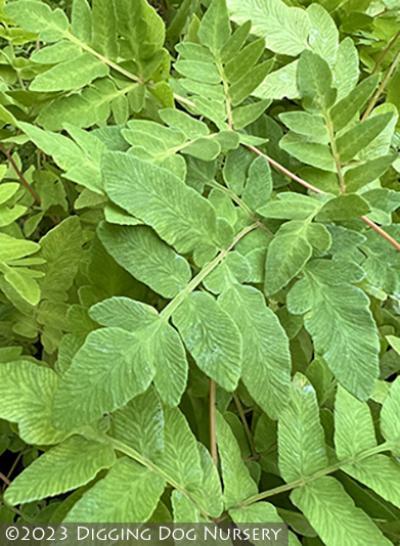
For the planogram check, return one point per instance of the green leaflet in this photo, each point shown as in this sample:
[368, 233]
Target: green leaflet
[325, 503]
[21, 279]
[81, 20]
[211, 337]
[379, 473]
[37, 17]
[259, 513]
[302, 449]
[177, 213]
[162, 344]
[27, 400]
[183, 509]
[354, 428]
[343, 208]
[214, 29]
[109, 370]
[180, 458]
[285, 29]
[123, 360]
[129, 493]
[287, 254]
[70, 75]
[312, 153]
[146, 257]
[71, 464]
[61, 248]
[140, 424]
[390, 416]
[307, 124]
[357, 138]
[346, 70]
[89, 106]
[324, 36]
[80, 159]
[266, 358]
[279, 83]
[346, 109]
[338, 318]
[291, 206]
[238, 484]
[314, 79]
[14, 249]
[141, 26]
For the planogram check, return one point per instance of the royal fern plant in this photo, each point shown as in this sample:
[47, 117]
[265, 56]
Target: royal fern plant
[199, 264]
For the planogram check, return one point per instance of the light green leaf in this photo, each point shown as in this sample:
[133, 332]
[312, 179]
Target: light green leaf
[211, 337]
[279, 84]
[291, 206]
[311, 153]
[140, 424]
[27, 393]
[23, 281]
[180, 216]
[379, 473]
[325, 503]
[324, 35]
[234, 269]
[343, 208]
[129, 493]
[180, 459]
[238, 484]
[36, 16]
[88, 107]
[214, 29]
[287, 254]
[81, 20]
[258, 187]
[346, 71]
[362, 175]
[301, 438]
[259, 513]
[81, 161]
[71, 464]
[13, 249]
[338, 318]
[7, 190]
[146, 257]
[354, 427]
[142, 28]
[266, 362]
[346, 109]
[390, 416]
[61, 248]
[111, 368]
[357, 138]
[163, 346]
[70, 75]
[304, 123]
[314, 80]
[394, 342]
[285, 29]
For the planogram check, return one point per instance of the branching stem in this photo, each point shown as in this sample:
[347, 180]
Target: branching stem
[20, 175]
[167, 312]
[395, 244]
[320, 474]
[373, 102]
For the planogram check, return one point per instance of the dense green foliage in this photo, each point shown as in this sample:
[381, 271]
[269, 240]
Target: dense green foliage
[199, 264]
